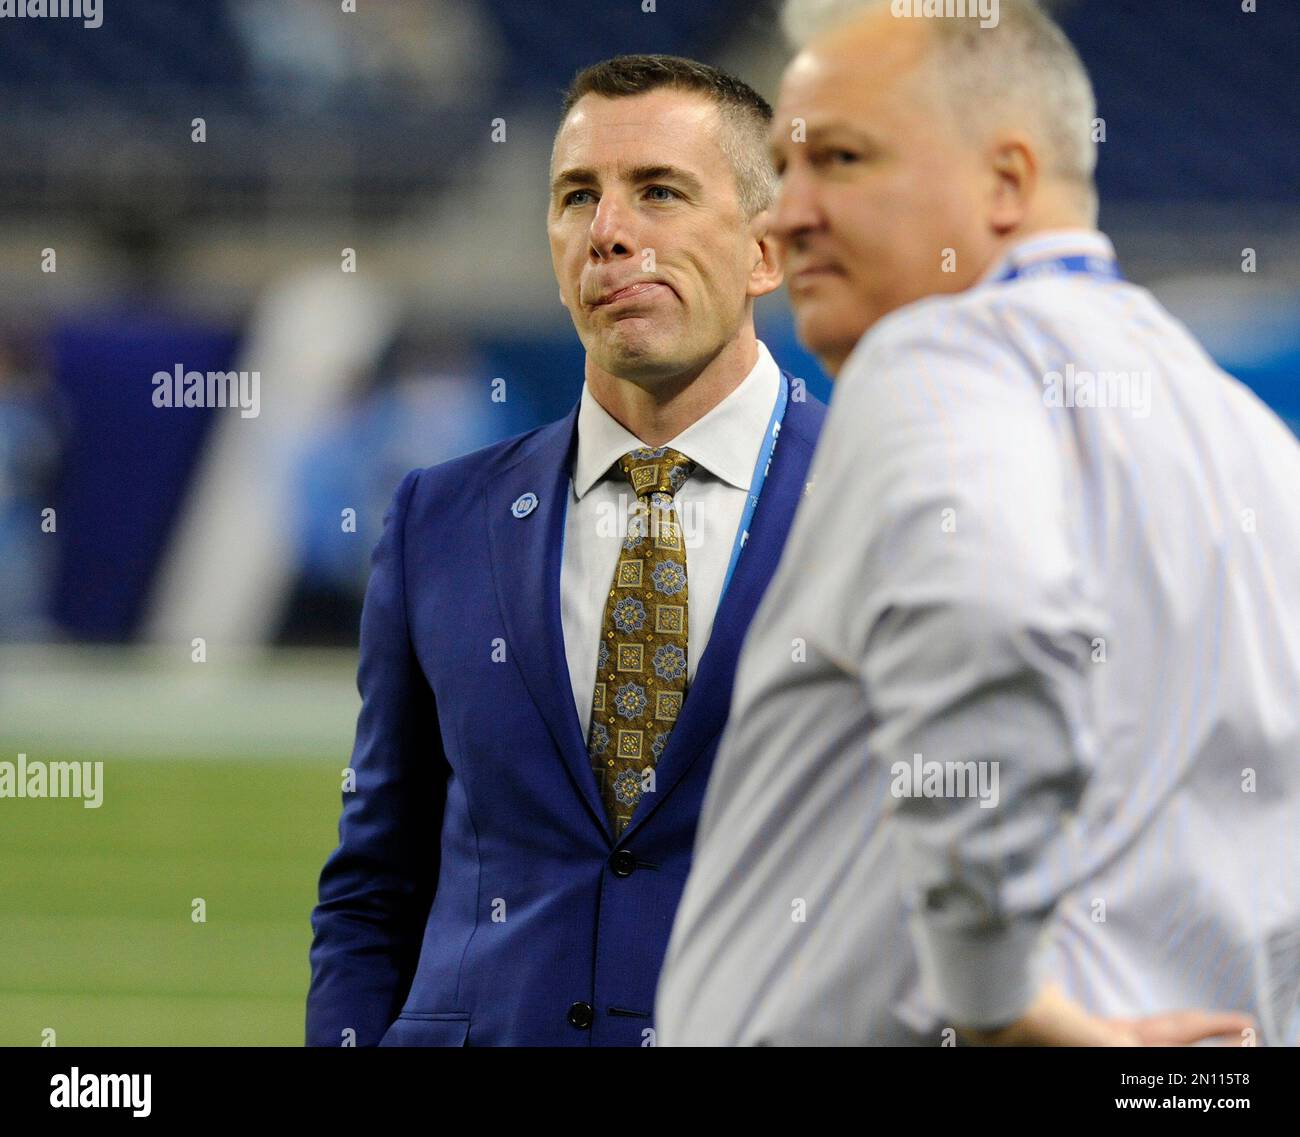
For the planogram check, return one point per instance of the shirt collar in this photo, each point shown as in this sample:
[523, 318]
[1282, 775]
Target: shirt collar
[1048, 246]
[725, 441]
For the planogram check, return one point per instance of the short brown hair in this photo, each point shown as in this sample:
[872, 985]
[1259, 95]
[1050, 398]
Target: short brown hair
[746, 115]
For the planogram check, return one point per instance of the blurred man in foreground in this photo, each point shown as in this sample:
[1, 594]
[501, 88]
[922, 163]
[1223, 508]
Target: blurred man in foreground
[1015, 742]
[552, 624]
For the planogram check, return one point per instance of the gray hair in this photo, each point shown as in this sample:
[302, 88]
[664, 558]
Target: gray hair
[1023, 64]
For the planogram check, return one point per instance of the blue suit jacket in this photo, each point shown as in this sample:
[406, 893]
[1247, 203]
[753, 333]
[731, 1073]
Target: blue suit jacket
[477, 895]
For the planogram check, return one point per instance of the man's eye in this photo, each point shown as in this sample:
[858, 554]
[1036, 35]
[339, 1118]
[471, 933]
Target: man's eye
[668, 194]
[571, 198]
[836, 157]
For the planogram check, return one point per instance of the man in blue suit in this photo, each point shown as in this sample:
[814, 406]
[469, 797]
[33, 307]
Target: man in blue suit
[552, 623]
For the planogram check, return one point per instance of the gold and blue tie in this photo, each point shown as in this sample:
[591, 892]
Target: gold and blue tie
[641, 662]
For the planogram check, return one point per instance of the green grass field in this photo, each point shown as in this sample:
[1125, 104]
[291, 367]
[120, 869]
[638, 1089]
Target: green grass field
[96, 935]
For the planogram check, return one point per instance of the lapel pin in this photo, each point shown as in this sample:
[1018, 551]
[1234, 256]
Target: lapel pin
[524, 504]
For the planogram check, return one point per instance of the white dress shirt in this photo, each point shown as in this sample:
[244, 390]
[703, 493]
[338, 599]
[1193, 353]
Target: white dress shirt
[994, 575]
[725, 444]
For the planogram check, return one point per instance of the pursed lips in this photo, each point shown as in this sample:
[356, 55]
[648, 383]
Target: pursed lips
[628, 291]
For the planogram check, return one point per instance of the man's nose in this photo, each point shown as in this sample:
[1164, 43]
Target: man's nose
[797, 207]
[612, 232]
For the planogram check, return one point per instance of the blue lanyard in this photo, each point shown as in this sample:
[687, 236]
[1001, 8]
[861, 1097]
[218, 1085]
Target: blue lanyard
[1100, 266]
[756, 481]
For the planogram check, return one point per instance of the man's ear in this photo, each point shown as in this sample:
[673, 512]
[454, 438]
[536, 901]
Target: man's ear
[766, 272]
[1013, 164]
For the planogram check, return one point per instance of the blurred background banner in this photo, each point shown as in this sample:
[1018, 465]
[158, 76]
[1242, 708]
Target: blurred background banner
[341, 215]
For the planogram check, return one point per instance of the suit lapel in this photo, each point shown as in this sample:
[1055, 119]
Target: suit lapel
[527, 554]
[523, 547]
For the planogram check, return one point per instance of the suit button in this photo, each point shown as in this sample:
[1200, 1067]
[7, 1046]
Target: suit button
[623, 862]
[580, 1015]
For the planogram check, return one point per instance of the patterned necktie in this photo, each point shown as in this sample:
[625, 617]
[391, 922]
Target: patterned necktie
[641, 664]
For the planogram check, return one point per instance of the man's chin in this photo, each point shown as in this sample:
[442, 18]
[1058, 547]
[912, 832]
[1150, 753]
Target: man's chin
[637, 356]
[831, 337]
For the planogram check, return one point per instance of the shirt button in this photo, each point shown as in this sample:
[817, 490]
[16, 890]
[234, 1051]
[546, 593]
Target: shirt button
[580, 1015]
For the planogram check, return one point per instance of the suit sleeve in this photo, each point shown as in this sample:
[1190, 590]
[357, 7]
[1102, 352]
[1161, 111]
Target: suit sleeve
[971, 634]
[377, 887]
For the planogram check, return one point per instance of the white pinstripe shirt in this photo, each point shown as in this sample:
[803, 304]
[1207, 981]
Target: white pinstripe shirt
[1099, 606]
